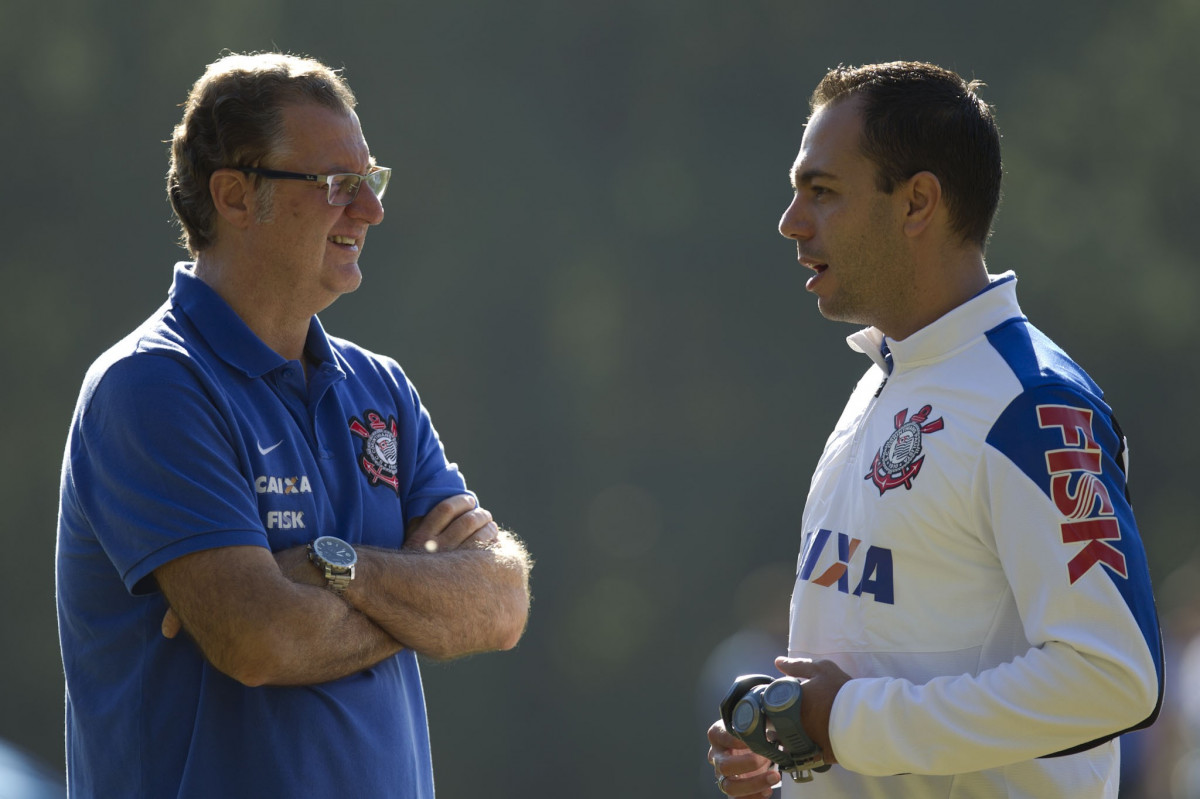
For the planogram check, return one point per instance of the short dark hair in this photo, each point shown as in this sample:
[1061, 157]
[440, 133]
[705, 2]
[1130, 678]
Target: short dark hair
[233, 117]
[921, 117]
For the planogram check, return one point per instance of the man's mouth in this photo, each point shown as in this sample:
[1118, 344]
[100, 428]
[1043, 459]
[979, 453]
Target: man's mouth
[813, 264]
[345, 241]
[818, 267]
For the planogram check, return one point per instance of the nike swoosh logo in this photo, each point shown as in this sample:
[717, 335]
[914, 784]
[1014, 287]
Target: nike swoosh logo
[262, 451]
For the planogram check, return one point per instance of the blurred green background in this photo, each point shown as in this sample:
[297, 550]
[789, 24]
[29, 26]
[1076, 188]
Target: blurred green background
[580, 271]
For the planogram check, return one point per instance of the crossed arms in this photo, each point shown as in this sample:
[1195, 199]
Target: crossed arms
[267, 619]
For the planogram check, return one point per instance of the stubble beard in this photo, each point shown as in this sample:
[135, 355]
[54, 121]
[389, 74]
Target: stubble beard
[878, 286]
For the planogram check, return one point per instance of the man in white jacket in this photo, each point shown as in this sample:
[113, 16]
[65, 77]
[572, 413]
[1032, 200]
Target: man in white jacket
[972, 612]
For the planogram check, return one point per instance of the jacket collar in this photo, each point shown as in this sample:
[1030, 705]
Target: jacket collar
[990, 307]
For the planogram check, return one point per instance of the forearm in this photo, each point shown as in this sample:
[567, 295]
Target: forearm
[446, 604]
[262, 626]
[322, 638]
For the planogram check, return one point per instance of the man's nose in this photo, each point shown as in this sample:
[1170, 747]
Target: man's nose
[795, 222]
[366, 206]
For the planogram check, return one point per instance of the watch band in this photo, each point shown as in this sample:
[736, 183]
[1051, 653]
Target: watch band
[338, 581]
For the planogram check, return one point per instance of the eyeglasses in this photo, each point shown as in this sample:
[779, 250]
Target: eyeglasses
[343, 188]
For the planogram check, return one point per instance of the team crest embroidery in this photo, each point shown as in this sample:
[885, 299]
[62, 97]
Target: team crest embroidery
[898, 461]
[380, 449]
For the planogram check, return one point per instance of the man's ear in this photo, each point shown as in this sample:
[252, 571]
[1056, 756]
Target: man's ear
[923, 200]
[233, 197]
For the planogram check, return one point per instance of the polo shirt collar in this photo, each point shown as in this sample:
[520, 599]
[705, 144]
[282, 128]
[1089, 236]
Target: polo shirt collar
[229, 337]
[992, 306]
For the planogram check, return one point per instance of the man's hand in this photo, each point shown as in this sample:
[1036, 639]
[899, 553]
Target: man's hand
[454, 523]
[822, 681]
[739, 771]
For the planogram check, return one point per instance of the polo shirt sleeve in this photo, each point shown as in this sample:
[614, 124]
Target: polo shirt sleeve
[157, 468]
[433, 477]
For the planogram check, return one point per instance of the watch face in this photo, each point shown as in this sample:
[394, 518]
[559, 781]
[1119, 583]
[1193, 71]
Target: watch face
[335, 551]
[745, 716]
[781, 694]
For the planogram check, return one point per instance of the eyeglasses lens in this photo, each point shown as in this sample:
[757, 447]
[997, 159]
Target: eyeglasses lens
[344, 188]
[378, 181]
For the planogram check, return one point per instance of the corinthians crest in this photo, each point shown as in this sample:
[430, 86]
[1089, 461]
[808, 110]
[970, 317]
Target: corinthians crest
[899, 460]
[380, 448]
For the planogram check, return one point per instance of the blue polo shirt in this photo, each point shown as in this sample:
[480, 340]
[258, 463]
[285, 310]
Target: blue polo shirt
[190, 434]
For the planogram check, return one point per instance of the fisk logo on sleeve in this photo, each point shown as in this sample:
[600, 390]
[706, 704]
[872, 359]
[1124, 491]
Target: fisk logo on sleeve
[1079, 493]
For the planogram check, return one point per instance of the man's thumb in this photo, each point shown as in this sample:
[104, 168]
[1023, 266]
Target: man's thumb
[795, 667]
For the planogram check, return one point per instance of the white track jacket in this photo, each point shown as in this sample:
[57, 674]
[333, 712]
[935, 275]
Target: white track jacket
[970, 557]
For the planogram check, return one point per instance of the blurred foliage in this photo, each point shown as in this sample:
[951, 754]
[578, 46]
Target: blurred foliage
[579, 270]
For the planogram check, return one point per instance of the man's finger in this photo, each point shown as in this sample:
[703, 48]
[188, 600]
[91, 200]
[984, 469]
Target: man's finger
[171, 624]
[442, 514]
[422, 529]
[448, 510]
[485, 535]
[722, 739]
[463, 527]
[796, 667]
[757, 784]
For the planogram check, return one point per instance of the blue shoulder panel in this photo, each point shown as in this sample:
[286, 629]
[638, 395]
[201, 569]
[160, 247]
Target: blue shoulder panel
[1060, 433]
